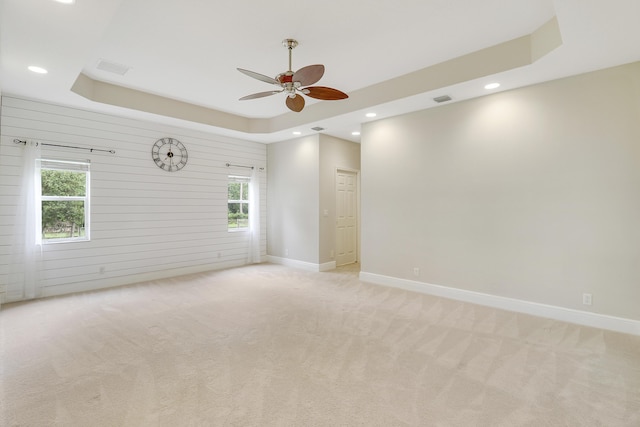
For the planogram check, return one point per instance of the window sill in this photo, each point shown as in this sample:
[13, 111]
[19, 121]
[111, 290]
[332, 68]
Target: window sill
[58, 241]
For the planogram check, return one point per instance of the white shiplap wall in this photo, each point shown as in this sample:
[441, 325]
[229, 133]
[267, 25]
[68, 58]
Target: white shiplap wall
[145, 223]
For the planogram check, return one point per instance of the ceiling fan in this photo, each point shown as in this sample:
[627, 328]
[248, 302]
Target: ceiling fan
[291, 83]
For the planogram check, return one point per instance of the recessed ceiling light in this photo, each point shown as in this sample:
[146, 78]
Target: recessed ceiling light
[36, 69]
[492, 86]
[371, 114]
[297, 133]
[355, 133]
[66, 1]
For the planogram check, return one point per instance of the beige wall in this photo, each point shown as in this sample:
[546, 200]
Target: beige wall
[301, 187]
[531, 194]
[335, 153]
[292, 199]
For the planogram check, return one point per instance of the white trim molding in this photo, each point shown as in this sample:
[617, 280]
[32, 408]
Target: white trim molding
[112, 282]
[327, 266]
[602, 321]
[302, 265]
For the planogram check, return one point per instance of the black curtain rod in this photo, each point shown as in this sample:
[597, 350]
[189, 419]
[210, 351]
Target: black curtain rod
[242, 166]
[18, 141]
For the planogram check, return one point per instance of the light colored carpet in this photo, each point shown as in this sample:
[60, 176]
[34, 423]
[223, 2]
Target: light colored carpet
[271, 346]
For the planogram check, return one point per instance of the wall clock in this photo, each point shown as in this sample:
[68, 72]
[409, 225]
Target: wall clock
[169, 154]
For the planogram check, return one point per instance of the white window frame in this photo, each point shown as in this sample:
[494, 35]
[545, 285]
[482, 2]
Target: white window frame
[245, 180]
[67, 166]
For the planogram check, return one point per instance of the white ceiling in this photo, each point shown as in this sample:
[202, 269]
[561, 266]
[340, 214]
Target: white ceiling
[189, 50]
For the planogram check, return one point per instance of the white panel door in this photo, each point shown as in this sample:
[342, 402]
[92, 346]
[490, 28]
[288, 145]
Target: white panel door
[346, 217]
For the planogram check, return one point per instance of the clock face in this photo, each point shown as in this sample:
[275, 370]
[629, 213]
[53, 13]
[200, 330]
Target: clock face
[169, 154]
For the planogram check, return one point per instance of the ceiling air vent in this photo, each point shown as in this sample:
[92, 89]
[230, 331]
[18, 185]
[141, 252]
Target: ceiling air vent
[317, 128]
[112, 67]
[443, 98]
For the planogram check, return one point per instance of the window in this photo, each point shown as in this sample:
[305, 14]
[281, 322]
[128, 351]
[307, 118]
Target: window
[65, 201]
[238, 203]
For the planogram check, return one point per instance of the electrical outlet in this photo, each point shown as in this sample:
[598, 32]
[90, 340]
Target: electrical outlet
[416, 271]
[286, 252]
[102, 270]
[586, 299]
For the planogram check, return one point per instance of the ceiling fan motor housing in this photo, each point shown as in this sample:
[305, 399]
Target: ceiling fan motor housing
[286, 77]
[286, 80]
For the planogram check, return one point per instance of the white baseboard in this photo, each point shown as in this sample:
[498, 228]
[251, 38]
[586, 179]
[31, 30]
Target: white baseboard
[302, 265]
[618, 324]
[328, 266]
[127, 279]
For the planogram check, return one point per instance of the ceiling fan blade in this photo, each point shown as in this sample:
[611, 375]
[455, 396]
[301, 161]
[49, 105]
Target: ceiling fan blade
[295, 104]
[260, 95]
[308, 75]
[259, 76]
[326, 93]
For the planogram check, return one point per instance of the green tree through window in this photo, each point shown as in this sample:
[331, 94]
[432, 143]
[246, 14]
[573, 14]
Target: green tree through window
[238, 203]
[64, 200]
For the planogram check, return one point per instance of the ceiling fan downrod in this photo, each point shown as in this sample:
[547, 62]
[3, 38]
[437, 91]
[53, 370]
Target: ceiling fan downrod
[286, 78]
[290, 44]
